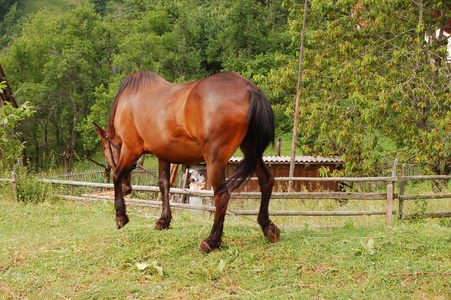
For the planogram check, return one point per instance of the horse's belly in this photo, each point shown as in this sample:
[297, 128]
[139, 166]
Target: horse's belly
[180, 153]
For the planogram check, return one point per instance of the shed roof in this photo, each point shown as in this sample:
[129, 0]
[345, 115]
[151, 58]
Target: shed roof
[299, 159]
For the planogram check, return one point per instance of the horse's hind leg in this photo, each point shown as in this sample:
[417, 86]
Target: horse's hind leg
[216, 175]
[266, 182]
[126, 184]
[164, 184]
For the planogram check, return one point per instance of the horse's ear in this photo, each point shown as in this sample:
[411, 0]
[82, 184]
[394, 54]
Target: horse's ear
[99, 130]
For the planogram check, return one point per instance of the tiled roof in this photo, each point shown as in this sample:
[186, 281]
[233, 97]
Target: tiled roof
[299, 159]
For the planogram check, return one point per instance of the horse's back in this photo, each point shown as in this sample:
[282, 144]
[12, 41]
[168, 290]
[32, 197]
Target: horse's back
[182, 122]
[223, 95]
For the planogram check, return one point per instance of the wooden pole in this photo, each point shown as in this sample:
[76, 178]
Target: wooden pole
[389, 209]
[14, 183]
[298, 96]
[172, 177]
[390, 195]
[182, 181]
[279, 146]
[402, 184]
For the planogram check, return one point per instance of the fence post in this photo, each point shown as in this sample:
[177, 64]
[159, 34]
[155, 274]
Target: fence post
[390, 189]
[14, 183]
[401, 190]
[107, 174]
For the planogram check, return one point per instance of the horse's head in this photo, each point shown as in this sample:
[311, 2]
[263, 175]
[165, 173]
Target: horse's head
[110, 149]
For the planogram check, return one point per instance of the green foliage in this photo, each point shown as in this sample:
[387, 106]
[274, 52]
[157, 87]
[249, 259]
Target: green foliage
[99, 114]
[5, 7]
[58, 65]
[100, 6]
[11, 145]
[8, 21]
[373, 88]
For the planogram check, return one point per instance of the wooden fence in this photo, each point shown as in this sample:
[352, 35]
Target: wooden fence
[389, 196]
[140, 175]
[13, 181]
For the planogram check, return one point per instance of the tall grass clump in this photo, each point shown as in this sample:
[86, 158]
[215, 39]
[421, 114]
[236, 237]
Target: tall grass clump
[6, 190]
[30, 190]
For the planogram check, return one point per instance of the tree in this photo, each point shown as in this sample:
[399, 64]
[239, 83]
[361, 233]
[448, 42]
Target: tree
[100, 6]
[374, 88]
[5, 7]
[58, 65]
[10, 144]
[24, 61]
[8, 23]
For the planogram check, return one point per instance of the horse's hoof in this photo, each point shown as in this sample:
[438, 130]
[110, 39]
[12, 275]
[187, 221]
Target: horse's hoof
[204, 247]
[160, 225]
[207, 245]
[121, 221]
[272, 233]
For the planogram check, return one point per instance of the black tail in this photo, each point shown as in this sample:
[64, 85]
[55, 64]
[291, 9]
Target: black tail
[259, 135]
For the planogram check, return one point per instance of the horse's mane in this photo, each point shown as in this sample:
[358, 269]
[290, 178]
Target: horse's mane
[131, 83]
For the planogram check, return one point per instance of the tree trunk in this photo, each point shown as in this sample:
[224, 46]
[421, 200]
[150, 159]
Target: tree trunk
[70, 144]
[67, 157]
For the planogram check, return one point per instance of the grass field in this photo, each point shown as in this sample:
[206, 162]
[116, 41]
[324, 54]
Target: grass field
[65, 250]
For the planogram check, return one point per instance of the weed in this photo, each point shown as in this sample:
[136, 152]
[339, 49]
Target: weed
[446, 222]
[349, 224]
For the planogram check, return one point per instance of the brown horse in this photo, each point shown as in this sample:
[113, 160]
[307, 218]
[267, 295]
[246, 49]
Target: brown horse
[205, 120]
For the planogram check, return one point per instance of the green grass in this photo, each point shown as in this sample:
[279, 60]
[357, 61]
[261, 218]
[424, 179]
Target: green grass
[69, 250]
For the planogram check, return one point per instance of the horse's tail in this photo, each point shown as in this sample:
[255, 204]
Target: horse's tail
[259, 135]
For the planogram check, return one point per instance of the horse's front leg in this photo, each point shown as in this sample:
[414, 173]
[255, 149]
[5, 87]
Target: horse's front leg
[119, 203]
[164, 184]
[122, 171]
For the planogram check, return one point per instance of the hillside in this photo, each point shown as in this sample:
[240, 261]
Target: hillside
[56, 7]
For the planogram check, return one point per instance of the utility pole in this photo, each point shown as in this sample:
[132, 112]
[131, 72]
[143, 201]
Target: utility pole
[298, 96]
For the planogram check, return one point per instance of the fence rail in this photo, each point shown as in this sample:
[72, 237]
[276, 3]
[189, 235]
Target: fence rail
[242, 195]
[151, 203]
